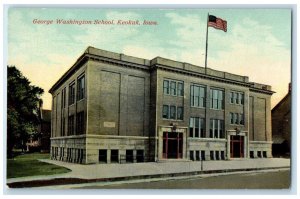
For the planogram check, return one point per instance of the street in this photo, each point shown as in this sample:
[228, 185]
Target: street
[251, 180]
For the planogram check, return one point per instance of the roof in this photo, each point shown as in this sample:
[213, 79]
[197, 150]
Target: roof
[92, 53]
[281, 101]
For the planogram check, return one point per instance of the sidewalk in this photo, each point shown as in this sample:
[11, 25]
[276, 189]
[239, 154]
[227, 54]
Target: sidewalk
[107, 172]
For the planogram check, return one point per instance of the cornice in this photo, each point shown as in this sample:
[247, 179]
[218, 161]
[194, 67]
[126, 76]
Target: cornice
[91, 57]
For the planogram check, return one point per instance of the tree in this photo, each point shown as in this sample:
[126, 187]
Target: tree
[23, 102]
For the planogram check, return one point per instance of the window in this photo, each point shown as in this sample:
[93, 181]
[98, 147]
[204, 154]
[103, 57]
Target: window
[212, 155]
[114, 155]
[166, 87]
[211, 130]
[63, 98]
[80, 88]
[231, 97]
[242, 119]
[192, 125]
[236, 98]
[197, 96]
[173, 112]
[217, 155]
[80, 155]
[80, 123]
[216, 99]
[264, 154]
[221, 129]
[166, 111]
[231, 118]
[103, 155]
[251, 154]
[202, 155]
[173, 87]
[236, 118]
[169, 112]
[62, 126]
[241, 98]
[129, 155]
[72, 93]
[197, 127]
[180, 89]
[222, 155]
[179, 113]
[192, 155]
[259, 154]
[197, 155]
[216, 128]
[71, 125]
[140, 156]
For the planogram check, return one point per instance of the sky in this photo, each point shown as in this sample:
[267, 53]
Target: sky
[257, 43]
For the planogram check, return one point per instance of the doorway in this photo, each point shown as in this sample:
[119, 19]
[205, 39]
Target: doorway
[236, 146]
[172, 145]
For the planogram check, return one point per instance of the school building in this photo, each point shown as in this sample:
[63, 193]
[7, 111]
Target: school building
[113, 108]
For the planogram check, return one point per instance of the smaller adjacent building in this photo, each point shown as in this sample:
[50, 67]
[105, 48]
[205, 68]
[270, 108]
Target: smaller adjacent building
[45, 130]
[281, 126]
[40, 141]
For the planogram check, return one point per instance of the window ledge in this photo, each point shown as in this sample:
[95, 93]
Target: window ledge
[217, 109]
[173, 95]
[236, 104]
[208, 139]
[172, 120]
[199, 107]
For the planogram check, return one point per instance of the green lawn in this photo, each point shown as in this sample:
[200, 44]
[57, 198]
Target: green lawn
[28, 165]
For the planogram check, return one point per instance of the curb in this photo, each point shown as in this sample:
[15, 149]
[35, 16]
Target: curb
[68, 181]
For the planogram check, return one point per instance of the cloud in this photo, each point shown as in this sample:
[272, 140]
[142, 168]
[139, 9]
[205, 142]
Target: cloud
[255, 52]
[139, 51]
[189, 29]
[121, 15]
[42, 53]
[248, 48]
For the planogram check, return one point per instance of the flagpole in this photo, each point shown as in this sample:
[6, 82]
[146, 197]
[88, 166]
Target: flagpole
[206, 44]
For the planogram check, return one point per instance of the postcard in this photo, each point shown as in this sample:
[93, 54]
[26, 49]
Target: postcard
[149, 98]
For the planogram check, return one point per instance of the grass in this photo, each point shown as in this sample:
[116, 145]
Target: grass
[28, 165]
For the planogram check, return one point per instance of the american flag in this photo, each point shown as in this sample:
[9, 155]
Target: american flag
[217, 23]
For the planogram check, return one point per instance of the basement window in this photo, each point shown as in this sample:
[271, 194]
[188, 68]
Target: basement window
[197, 155]
[140, 156]
[217, 155]
[251, 154]
[202, 155]
[223, 155]
[129, 155]
[103, 155]
[192, 155]
[212, 157]
[264, 154]
[259, 154]
[114, 156]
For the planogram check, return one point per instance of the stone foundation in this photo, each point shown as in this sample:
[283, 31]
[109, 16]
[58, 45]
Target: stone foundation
[260, 149]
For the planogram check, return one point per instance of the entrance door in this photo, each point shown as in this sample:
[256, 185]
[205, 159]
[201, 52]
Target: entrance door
[172, 145]
[236, 146]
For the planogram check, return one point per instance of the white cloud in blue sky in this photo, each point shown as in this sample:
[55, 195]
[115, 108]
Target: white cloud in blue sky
[257, 42]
